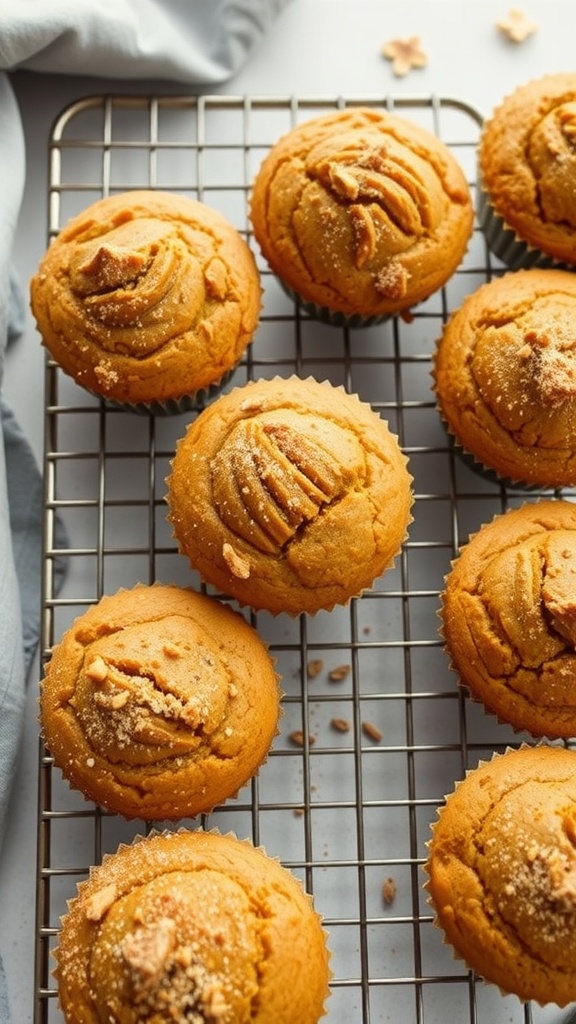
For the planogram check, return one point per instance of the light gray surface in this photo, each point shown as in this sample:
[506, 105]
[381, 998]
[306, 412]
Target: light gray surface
[316, 47]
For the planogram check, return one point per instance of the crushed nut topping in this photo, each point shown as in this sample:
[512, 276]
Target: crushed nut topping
[97, 670]
[100, 901]
[238, 564]
[517, 26]
[405, 54]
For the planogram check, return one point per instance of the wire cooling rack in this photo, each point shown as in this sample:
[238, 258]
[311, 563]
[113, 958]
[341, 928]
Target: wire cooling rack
[375, 731]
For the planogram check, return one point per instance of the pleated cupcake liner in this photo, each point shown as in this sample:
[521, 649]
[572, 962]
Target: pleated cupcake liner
[505, 244]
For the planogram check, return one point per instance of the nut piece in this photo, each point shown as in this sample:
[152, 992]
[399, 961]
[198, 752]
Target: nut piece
[336, 675]
[239, 565]
[340, 724]
[372, 731]
[314, 668]
[388, 891]
[100, 902]
[297, 737]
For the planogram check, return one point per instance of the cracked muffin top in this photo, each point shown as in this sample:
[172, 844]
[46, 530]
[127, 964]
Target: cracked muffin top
[195, 928]
[147, 296]
[527, 161]
[159, 703]
[360, 212]
[505, 376]
[290, 495]
[501, 872]
[509, 617]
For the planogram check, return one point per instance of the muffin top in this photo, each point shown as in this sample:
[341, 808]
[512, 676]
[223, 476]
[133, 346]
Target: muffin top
[361, 211]
[527, 157]
[509, 617]
[147, 296]
[502, 872]
[505, 376]
[159, 702]
[193, 926]
[289, 494]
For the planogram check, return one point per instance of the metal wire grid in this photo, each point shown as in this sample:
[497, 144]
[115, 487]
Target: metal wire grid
[349, 813]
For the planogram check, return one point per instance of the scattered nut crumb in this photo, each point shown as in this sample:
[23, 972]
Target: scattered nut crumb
[297, 737]
[336, 675]
[388, 891]
[517, 26]
[405, 54]
[340, 724]
[314, 668]
[371, 730]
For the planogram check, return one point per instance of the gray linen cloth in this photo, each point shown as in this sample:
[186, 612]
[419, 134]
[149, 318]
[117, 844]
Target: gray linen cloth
[197, 42]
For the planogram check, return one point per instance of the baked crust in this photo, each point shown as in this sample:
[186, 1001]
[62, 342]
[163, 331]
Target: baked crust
[509, 617]
[505, 376]
[194, 927]
[527, 161]
[159, 703]
[147, 296]
[289, 494]
[362, 212]
[501, 872]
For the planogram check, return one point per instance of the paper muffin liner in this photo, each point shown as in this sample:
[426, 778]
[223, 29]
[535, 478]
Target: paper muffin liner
[333, 317]
[486, 472]
[154, 834]
[327, 607]
[505, 244]
[173, 406]
[475, 462]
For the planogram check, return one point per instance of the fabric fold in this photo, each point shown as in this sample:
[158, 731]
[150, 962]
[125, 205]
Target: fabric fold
[196, 42]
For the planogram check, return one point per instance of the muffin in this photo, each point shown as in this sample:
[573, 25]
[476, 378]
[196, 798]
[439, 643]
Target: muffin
[509, 617]
[527, 165]
[502, 872]
[505, 376]
[147, 299]
[192, 926]
[159, 703]
[301, 495]
[361, 214]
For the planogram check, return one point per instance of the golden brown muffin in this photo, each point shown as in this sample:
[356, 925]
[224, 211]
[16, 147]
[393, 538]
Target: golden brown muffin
[509, 617]
[291, 495]
[159, 703]
[502, 872]
[147, 298]
[505, 376]
[527, 166]
[192, 927]
[361, 214]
